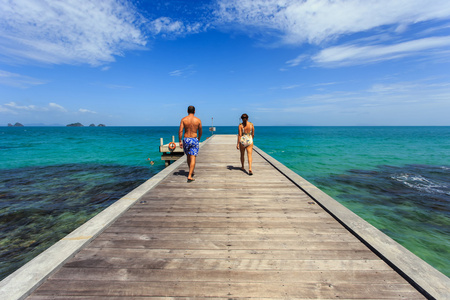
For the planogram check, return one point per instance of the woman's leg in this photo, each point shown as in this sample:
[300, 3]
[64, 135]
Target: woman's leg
[249, 155]
[242, 150]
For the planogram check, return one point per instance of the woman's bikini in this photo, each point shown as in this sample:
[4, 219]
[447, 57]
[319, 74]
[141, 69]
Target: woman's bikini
[246, 138]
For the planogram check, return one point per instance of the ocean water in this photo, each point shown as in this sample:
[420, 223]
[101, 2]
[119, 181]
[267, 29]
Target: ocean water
[53, 179]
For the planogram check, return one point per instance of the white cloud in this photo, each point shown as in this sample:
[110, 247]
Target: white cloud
[62, 32]
[185, 72]
[296, 61]
[57, 107]
[82, 110]
[381, 94]
[354, 54]
[17, 80]
[165, 25]
[6, 110]
[171, 28]
[386, 26]
[13, 107]
[290, 87]
[287, 87]
[316, 21]
[423, 102]
[176, 73]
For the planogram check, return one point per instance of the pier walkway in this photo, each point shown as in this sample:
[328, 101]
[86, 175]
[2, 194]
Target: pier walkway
[227, 235]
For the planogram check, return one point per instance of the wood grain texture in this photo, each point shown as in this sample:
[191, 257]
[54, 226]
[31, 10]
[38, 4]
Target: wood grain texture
[227, 235]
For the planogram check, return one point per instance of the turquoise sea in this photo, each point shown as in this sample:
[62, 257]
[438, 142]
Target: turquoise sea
[53, 179]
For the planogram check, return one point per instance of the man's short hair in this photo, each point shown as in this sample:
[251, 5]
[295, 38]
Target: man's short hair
[191, 109]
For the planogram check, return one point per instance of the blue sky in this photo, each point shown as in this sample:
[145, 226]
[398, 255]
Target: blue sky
[141, 63]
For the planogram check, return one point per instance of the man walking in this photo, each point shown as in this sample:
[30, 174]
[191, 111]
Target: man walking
[190, 143]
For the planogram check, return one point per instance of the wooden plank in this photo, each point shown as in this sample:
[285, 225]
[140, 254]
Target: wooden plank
[195, 289]
[230, 230]
[163, 275]
[187, 263]
[235, 245]
[286, 254]
[126, 236]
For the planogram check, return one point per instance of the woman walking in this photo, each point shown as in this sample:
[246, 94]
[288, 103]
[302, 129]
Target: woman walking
[245, 141]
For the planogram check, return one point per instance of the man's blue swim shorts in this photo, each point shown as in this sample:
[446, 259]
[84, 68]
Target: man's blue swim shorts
[190, 146]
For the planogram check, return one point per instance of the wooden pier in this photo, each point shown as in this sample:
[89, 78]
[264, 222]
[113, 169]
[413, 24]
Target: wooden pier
[227, 235]
[170, 152]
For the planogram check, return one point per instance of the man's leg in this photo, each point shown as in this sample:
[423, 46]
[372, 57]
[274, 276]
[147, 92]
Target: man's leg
[188, 160]
[191, 160]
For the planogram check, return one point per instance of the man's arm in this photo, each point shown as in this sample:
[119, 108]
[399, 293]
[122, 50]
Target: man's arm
[180, 134]
[200, 131]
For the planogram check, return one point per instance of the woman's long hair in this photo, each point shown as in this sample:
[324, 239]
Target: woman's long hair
[244, 119]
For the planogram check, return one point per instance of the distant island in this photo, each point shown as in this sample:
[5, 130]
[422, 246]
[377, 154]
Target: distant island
[75, 125]
[15, 125]
[78, 124]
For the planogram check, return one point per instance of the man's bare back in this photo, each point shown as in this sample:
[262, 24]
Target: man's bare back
[191, 124]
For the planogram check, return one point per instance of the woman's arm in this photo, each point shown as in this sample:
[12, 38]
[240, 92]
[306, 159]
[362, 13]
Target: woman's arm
[253, 132]
[239, 136]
